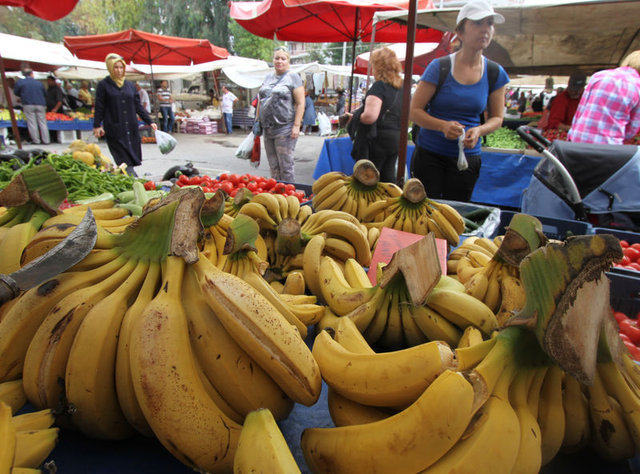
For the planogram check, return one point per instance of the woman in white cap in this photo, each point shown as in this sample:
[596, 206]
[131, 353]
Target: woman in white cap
[449, 104]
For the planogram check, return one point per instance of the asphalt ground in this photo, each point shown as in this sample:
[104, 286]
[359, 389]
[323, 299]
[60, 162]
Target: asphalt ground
[212, 155]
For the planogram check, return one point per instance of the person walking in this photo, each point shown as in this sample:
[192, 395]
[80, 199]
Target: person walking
[449, 107]
[309, 118]
[34, 106]
[279, 114]
[144, 98]
[340, 103]
[116, 106]
[165, 103]
[381, 112]
[228, 99]
[609, 111]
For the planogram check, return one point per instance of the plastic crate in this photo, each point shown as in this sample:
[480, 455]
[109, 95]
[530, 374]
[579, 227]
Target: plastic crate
[65, 136]
[631, 237]
[625, 293]
[552, 227]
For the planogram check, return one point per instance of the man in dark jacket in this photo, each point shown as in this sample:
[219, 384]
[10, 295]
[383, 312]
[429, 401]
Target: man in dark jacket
[32, 95]
[55, 95]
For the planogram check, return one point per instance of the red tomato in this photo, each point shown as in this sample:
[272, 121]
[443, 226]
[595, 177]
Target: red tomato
[300, 195]
[619, 316]
[269, 183]
[244, 179]
[259, 190]
[632, 253]
[184, 179]
[195, 180]
[206, 189]
[289, 187]
[227, 186]
[149, 185]
[223, 177]
[633, 266]
[241, 185]
[252, 186]
[279, 188]
[633, 350]
[233, 192]
[624, 244]
[625, 261]
[631, 329]
[636, 246]
[234, 178]
[624, 337]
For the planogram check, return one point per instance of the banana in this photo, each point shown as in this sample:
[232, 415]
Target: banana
[337, 292]
[422, 433]
[8, 437]
[529, 459]
[294, 283]
[263, 332]
[34, 447]
[372, 235]
[262, 447]
[576, 414]
[551, 414]
[462, 310]
[392, 337]
[311, 264]
[374, 208]
[304, 213]
[345, 412]
[283, 205]
[413, 335]
[477, 286]
[364, 314]
[37, 420]
[243, 384]
[533, 397]
[293, 206]
[434, 326]
[21, 322]
[451, 214]
[610, 437]
[331, 197]
[450, 283]
[168, 384]
[124, 381]
[90, 370]
[349, 337]
[493, 296]
[352, 234]
[512, 293]
[339, 249]
[470, 337]
[307, 313]
[48, 353]
[380, 379]
[465, 269]
[487, 244]
[12, 394]
[260, 214]
[270, 203]
[469, 357]
[355, 274]
[15, 240]
[327, 178]
[447, 229]
[101, 214]
[490, 443]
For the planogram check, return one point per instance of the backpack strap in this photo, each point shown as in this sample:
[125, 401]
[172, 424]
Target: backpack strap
[444, 70]
[493, 70]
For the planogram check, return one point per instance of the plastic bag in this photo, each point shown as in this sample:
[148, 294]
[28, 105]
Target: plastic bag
[255, 152]
[251, 113]
[246, 148]
[462, 159]
[165, 142]
[324, 124]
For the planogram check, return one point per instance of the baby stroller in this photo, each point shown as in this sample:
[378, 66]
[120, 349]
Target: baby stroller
[582, 181]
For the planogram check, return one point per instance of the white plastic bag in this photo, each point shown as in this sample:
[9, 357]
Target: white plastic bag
[246, 147]
[165, 142]
[251, 113]
[324, 124]
[462, 159]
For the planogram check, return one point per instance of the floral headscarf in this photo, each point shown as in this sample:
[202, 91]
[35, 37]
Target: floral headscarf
[111, 60]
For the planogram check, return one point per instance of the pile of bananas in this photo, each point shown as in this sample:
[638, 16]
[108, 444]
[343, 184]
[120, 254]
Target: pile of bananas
[130, 331]
[352, 194]
[387, 317]
[28, 439]
[414, 212]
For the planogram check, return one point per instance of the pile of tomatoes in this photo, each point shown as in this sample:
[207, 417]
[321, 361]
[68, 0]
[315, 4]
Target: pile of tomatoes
[232, 183]
[53, 116]
[629, 333]
[631, 258]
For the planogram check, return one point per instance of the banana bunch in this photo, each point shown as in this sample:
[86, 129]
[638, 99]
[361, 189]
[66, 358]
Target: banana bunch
[233, 204]
[27, 439]
[352, 194]
[414, 212]
[113, 219]
[269, 210]
[130, 336]
[262, 447]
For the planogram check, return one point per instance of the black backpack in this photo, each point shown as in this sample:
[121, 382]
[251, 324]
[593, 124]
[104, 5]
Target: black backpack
[493, 70]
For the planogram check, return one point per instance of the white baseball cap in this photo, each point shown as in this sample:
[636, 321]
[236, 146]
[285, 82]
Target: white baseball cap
[478, 10]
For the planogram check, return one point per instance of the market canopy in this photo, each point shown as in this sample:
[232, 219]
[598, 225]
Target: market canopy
[145, 48]
[45, 9]
[40, 55]
[317, 21]
[541, 37]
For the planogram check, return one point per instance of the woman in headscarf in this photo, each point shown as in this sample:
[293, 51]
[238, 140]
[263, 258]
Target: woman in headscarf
[116, 105]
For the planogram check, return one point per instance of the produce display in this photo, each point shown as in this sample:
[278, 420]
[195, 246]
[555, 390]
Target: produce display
[203, 315]
[505, 138]
[631, 256]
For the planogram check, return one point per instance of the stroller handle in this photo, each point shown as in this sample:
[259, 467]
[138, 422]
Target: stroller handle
[533, 138]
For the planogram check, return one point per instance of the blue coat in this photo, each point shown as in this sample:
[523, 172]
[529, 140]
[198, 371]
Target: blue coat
[116, 109]
[309, 117]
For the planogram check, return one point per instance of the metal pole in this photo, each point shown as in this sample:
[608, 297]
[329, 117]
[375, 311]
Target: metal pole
[14, 123]
[406, 93]
[153, 84]
[353, 59]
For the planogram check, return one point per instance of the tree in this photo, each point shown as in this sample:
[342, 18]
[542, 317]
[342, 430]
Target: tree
[249, 45]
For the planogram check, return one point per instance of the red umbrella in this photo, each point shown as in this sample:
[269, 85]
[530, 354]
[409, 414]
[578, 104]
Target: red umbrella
[46, 9]
[317, 21]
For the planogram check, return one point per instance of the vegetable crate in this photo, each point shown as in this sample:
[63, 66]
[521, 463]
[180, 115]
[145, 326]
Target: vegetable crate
[625, 294]
[65, 136]
[552, 227]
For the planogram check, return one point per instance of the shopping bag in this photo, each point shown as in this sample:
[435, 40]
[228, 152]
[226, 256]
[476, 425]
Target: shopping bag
[246, 148]
[462, 158]
[255, 152]
[165, 142]
[324, 124]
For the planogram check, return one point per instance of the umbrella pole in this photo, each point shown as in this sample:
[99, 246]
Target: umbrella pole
[353, 59]
[14, 123]
[153, 85]
[406, 92]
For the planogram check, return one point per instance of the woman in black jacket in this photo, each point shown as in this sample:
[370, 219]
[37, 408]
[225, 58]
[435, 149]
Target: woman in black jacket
[117, 107]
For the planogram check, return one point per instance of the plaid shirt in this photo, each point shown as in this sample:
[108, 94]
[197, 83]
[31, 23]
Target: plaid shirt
[609, 110]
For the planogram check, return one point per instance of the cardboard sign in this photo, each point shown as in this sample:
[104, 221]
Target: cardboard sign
[391, 240]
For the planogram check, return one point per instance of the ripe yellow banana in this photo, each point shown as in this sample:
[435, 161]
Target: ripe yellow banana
[462, 310]
[416, 432]
[270, 203]
[364, 314]
[380, 379]
[262, 447]
[320, 183]
[36, 420]
[512, 294]
[261, 330]
[551, 414]
[311, 264]
[352, 234]
[12, 394]
[355, 274]
[451, 214]
[260, 214]
[349, 337]
[8, 437]
[294, 283]
[576, 414]
[339, 249]
[392, 337]
[34, 447]
[337, 292]
[529, 459]
[168, 384]
[377, 324]
[90, 378]
[345, 412]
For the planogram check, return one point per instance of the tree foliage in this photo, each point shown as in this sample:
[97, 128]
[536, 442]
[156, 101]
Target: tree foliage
[249, 45]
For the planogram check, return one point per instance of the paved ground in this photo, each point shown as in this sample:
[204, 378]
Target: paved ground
[214, 154]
